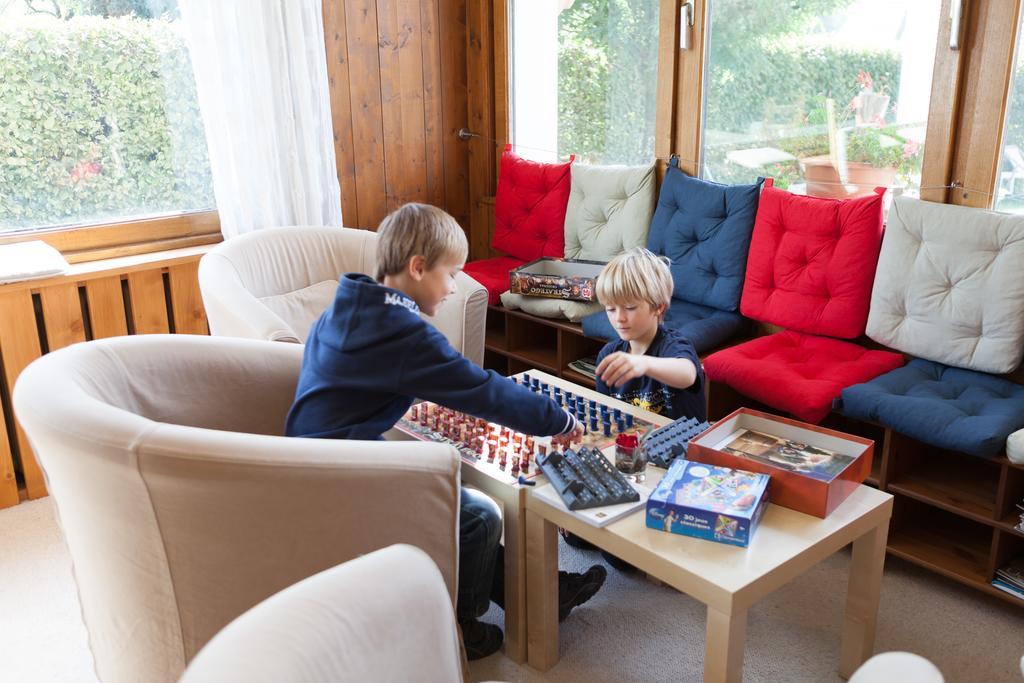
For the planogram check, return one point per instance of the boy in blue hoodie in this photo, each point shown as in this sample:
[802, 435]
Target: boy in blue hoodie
[371, 354]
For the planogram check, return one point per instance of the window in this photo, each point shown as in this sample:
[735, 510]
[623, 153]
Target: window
[1009, 193]
[98, 114]
[584, 76]
[829, 97]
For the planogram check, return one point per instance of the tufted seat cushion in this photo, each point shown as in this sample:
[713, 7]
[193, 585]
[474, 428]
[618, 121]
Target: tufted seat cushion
[492, 273]
[798, 373]
[704, 229]
[950, 286]
[705, 327]
[529, 208]
[945, 407]
[812, 262]
[609, 210]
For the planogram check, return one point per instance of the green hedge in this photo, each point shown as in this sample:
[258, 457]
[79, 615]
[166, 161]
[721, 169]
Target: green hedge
[98, 118]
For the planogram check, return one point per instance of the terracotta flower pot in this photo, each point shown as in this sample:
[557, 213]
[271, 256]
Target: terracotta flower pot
[861, 178]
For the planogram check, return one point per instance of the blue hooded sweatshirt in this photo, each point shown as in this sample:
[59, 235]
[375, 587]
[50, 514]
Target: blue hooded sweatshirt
[370, 354]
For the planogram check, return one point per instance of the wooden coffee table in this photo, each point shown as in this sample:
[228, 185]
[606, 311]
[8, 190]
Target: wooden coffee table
[725, 578]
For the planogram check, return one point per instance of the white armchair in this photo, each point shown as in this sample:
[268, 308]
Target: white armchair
[382, 617]
[182, 504]
[273, 284]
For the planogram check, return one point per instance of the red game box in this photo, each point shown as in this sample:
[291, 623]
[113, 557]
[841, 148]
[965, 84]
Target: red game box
[813, 469]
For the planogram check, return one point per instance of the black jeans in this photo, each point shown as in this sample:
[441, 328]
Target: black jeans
[479, 545]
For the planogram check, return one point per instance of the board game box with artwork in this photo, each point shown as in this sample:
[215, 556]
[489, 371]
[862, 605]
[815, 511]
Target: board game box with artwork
[714, 503]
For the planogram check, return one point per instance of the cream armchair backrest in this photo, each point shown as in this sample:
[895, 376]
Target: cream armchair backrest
[273, 284]
[182, 504]
[382, 617]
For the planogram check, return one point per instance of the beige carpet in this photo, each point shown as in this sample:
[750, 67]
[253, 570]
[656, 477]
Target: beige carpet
[631, 631]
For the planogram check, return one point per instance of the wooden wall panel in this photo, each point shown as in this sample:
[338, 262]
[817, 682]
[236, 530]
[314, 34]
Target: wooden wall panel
[186, 299]
[396, 74]
[19, 346]
[62, 315]
[149, 302]
[106, 307]
[64, 321]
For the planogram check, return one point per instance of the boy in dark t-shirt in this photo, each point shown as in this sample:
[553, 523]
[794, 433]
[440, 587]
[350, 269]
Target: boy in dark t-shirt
[650, 366]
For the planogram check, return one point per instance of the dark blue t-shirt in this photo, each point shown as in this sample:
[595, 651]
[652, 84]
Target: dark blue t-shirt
[655, 396]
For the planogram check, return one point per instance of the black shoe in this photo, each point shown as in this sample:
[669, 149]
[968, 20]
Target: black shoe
[480, 638]
[576, 589]
[575, 541]
[621, 565]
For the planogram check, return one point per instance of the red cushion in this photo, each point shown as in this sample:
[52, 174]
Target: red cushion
[797, 373]
[529, 209]
[492, 273]
[812, 262]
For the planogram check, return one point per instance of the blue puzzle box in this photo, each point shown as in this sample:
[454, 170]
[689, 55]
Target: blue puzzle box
[714, 503]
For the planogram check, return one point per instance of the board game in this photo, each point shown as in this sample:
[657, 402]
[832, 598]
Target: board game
[714, 503]
[506, 454]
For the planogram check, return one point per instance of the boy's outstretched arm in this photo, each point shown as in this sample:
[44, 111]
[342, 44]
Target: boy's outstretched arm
[617, 368]
[436, 372]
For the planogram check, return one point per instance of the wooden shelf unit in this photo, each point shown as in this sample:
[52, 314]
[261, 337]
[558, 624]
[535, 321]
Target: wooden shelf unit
[515, 341]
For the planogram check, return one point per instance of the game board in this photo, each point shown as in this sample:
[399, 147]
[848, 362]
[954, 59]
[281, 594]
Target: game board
[506, 454]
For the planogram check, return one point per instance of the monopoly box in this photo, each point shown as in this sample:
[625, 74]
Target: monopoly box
[714, 503]
[813, 469]
[557, 279]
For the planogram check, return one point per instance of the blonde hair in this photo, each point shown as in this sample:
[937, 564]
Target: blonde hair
[418, 230]
[637, 275]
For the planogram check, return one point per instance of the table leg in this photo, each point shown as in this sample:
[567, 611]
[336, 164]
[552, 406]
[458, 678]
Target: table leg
[541, 591]
[723, 646]
[515, 579]
[862, 596]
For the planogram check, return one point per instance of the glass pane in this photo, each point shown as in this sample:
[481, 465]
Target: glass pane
[98, 114]
[584, 74]
[829, 97]
[1009, 194]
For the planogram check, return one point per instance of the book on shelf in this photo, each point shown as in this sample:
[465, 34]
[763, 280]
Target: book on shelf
[585, 366]
[1012, 573]
[1020, 509]
[1008, 588]
[598, 516]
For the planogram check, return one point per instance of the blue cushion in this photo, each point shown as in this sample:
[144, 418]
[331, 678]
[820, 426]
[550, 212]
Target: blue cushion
[946, 407]
[704, 228]
[705, 327]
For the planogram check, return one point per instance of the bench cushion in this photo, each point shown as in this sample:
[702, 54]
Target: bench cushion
[609, 210]
[573, 311]
[705, 327]
[797, 373]
[950, 286]
[529, 208]
[812, 262]
[945, 407]
[492, 273]
[704, 228]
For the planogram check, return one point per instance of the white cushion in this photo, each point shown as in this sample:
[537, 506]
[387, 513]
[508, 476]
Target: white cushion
[574, 311]
[950, 286]
[609, 210]
[300, 307]
[1015, 447]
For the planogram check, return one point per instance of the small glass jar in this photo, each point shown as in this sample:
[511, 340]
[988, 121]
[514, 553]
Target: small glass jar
[630, 456]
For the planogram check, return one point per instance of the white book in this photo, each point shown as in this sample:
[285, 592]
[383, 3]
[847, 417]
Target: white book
[599, 516]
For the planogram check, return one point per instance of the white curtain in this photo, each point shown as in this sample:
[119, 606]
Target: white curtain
[261, 78]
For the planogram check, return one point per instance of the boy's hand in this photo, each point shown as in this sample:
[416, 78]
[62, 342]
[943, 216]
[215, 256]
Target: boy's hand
[618, 368]
[569, 438]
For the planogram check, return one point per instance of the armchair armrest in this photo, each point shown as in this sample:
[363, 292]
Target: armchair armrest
[232, 310]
